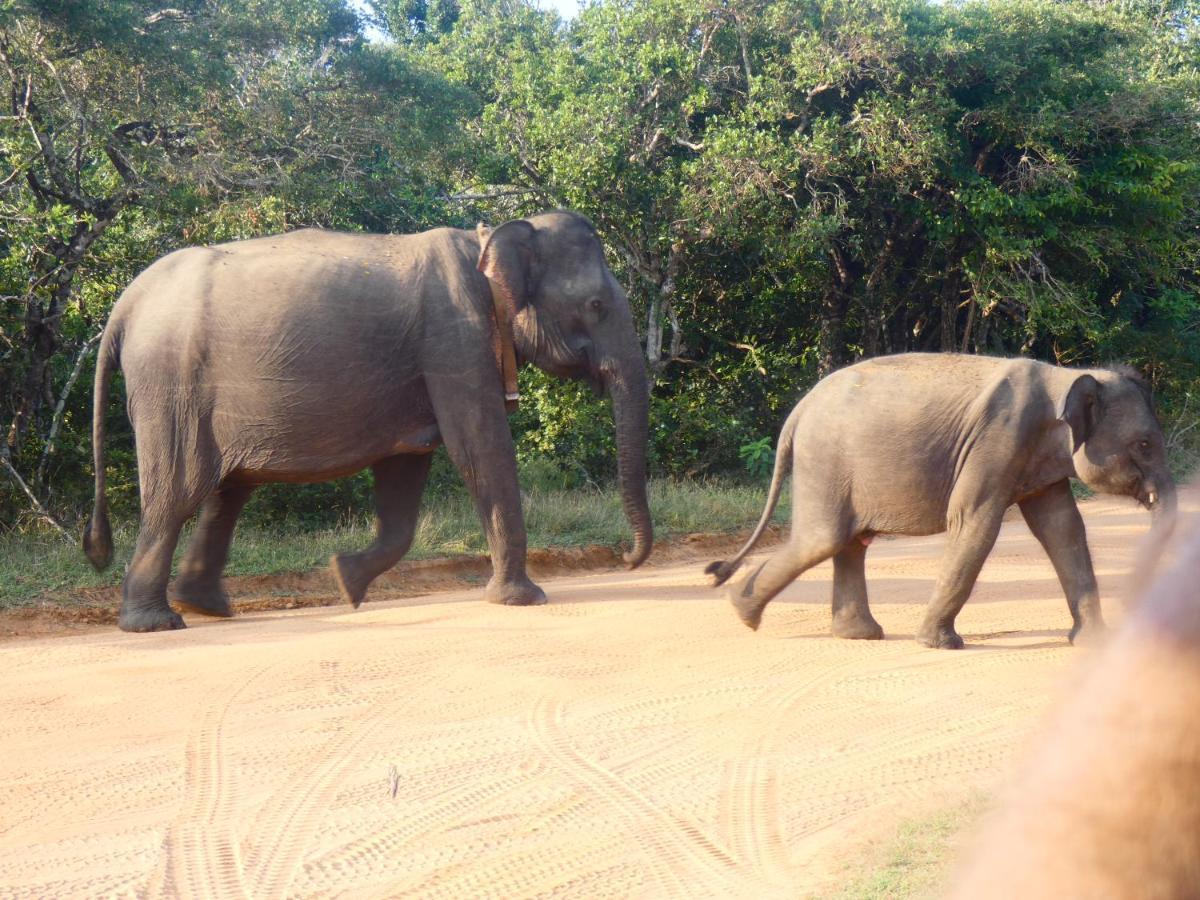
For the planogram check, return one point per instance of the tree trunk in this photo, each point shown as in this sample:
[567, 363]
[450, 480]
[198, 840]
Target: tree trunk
[966, 340]
[831, 340]
[950, 296]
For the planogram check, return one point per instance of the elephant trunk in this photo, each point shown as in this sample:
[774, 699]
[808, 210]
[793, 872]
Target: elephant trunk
[1162, 511]
[627, 385]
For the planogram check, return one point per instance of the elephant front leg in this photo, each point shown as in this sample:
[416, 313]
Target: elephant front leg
[399, 482]
[970, 543]
[1055, 521]
[499, 507]
[475, 430]
[851, 613]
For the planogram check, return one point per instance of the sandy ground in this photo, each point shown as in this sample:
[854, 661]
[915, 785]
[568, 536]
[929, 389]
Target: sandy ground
[629, 739]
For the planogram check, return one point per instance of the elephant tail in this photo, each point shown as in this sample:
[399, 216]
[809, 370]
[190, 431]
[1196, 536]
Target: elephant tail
[722, 569]
[97, 534]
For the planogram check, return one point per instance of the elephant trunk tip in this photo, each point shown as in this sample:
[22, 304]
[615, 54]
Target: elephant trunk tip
[638, 555]
[721, 570]
[1162, 507]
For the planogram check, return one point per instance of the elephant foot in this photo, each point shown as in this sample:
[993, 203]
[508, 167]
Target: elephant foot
[522, 592]
[352, 583]
[940, 637]
[155, 618]
[210, 600]
[857, 627]
[749, 610]
[1087, 633]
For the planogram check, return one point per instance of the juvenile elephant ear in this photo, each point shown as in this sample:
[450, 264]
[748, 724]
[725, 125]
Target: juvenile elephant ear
[1080, 409]
[507, 256]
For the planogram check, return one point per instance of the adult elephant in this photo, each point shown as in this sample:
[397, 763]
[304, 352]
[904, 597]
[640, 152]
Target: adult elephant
[314, 354]
[921, 443]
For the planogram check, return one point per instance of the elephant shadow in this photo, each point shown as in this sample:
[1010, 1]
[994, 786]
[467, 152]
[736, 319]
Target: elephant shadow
[900, 590]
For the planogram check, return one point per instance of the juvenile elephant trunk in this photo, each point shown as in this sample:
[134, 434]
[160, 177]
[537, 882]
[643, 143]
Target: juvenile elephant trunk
[1163, 511]
[630, 394]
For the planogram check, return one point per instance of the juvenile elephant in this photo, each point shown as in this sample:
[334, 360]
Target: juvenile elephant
[314, 354]
[922, 443]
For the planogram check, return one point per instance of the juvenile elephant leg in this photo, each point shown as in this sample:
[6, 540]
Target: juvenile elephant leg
[399, 482]
[969, 546]
[198, 586]
[801, 553]
[851, 615]
[1054, 519]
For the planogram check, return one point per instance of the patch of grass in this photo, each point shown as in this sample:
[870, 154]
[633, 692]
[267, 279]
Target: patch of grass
[41, 565]
[918, 860]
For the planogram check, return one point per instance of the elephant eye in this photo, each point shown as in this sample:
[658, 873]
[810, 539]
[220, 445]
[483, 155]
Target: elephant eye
[596, 305]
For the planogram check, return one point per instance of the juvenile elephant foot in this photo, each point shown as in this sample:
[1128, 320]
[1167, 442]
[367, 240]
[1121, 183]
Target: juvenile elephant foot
[1087, 633]
[940, 637]
[514, 593]
[352, 582]
[748, 609]
[157, 618]
[857, 627]
[208, 600]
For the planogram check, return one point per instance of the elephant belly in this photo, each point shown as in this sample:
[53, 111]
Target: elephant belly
[319, 447]
[312, 464]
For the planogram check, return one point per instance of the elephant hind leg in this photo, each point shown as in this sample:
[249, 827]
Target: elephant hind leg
[198, 586]
[144, 604]
[851, 613]
[399, 481]
[802, 552]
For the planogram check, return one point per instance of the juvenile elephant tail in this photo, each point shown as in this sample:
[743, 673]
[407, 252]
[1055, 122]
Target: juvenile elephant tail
[723, 568]
[97, 534]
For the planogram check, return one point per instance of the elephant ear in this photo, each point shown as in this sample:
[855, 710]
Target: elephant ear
[507, 256]
[1080, 409]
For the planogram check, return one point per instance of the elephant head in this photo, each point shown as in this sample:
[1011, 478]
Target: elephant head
[572, 319]
[1118, 445]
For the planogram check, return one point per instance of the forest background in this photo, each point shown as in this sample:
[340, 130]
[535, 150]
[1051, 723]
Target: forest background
[783, 187]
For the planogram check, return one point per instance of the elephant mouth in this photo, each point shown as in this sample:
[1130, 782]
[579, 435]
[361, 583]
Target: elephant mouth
[591, 372]
[1148, 497]
[597, 383]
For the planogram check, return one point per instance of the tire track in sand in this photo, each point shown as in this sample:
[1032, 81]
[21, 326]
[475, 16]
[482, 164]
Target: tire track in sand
[679, 855]
[201, 857]
[292, 820]
[750, 790]
[445, 811]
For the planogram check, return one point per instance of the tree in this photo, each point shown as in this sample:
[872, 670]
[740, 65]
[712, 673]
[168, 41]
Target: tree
[143, 129]
[794, 184]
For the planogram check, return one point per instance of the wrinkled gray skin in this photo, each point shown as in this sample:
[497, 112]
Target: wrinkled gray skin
[314, 354]
[923, 443]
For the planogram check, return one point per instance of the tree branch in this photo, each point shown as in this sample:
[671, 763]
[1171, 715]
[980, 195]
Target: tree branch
[56, 422]
[42, 512]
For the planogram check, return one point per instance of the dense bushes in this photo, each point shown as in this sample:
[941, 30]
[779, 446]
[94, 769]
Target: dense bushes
[783, 187]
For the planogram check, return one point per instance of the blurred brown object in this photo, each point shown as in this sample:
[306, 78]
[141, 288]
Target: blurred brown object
[1109, 804]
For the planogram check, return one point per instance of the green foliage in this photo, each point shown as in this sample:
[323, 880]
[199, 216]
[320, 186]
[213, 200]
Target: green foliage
[758, 457]
[39, 566]
[782, 187]
[917, 860]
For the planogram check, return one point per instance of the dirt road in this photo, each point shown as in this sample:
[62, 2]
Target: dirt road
[629, 739]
